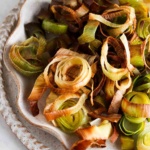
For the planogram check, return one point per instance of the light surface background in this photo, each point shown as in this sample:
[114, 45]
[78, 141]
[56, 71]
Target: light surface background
[8, 140]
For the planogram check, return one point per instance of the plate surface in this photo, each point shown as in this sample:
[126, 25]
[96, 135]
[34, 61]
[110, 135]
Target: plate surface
[18, 88]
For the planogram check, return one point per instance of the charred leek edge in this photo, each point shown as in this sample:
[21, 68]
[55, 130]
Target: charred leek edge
[125, 83]
[136, 55]
[71, 81]
[109, 89]
[129, 128]
[102, 131]
[38, 89]
[54, 27]
[68, 15]
[117, 29]
[136, 104]
[110, 71]
[141, 9]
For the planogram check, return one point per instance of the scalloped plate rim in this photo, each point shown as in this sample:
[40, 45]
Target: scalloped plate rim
[20, 81]
[62, 137]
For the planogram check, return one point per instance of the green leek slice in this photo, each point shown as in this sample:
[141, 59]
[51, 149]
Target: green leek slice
[128, 128]
[141, 83]
[88, 34]
[72, 122]
[54, 27]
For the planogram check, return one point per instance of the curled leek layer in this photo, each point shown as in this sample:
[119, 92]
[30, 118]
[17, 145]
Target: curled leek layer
[117, 20]
[71, 74]
[68, 111]
[129, 128]
[89, 31]
[141, 9]
[65, 77]
[142, 83]
[25, 59]
[136, 104]
[115, 73]
[67, 15]
[143, 27]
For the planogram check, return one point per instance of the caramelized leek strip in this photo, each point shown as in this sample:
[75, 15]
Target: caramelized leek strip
[118, 28]
[46, 70]
[68, 52]
[136, 104]
[82, 10]
[21, 64]
[52, 112]
[125, 83]
[82, 78]
[109, 89]
[141, 9]
[102, 131]
[121, 88]
[67, 15]
[38, 89]
[84, 144]
[65, 79]
[37, 92]
[110, 71]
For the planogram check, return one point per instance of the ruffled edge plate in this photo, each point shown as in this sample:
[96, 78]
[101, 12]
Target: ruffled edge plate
[7, 39]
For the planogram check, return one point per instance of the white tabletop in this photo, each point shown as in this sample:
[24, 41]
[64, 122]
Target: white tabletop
[8, 140]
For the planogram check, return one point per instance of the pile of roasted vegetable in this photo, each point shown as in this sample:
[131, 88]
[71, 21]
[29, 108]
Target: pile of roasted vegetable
[94, 56]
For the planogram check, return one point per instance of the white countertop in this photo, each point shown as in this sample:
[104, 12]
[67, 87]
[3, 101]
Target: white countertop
[8, 140]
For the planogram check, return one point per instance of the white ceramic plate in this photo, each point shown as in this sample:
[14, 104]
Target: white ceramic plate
[23, 85]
